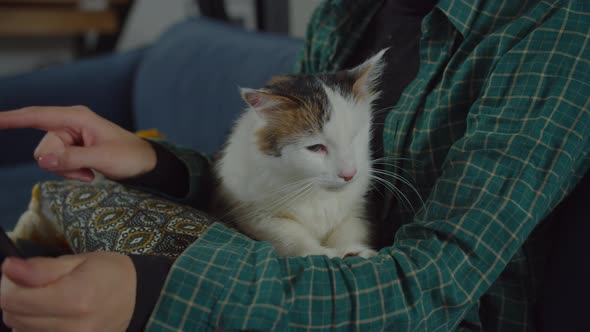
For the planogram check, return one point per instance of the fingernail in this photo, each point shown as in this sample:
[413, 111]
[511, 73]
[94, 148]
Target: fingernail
[48, 161]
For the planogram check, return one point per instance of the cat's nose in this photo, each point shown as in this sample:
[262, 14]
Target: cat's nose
[347, 175]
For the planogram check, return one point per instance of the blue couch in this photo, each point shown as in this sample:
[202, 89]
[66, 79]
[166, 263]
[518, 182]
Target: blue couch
[185, 85]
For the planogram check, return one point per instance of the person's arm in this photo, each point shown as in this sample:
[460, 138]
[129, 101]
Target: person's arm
[525, 147]
[180, 174]
[170, 177]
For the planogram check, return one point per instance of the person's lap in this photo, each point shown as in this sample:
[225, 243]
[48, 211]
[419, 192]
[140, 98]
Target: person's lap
[566, 292]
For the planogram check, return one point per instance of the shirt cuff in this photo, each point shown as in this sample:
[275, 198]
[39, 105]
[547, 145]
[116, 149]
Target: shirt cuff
[151, 272]
[170, 176]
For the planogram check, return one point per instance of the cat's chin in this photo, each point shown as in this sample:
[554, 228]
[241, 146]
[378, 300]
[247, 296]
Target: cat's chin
[334, 187]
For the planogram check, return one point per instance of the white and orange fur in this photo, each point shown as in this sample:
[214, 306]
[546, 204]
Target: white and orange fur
[302, 186]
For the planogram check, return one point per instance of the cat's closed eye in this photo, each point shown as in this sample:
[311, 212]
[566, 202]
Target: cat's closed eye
[320, 148]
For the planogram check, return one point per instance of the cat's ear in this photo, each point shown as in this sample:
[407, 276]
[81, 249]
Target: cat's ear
[367, 76]
[264, 102]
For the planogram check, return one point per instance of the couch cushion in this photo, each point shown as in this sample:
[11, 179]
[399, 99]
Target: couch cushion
[187, 84]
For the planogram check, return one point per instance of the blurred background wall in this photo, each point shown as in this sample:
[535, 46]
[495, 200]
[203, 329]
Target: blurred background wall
[122, 25]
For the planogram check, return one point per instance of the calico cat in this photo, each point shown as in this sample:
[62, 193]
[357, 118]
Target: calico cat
[297, 167]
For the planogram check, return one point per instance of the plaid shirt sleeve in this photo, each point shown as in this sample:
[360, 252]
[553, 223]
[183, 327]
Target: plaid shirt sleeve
[524, 147]
[199, 166]
[322, 52]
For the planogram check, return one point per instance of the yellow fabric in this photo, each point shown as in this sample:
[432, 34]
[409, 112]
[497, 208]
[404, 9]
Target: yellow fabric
[149, 133]
[36, 195]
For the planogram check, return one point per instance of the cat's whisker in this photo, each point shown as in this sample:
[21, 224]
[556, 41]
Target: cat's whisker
[279, 204]
[394, 191]
[274, 208]
[276, 203]
[402, 179]
[399, 195]
[388, 184]
[237, 210]
[395, 166]
[393, 175]
[375, 187]
[381, 110]
[393, 162]
[288, 187]
[396, 158]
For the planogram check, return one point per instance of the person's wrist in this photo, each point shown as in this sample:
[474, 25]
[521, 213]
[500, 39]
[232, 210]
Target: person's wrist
[148, 157]
[131, 287]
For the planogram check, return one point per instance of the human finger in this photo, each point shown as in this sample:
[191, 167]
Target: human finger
[84, 175]
[76, 162]
[41, 287]
[114, 160]
[45, 118]
[27, 323]
[39, 271]
[51, 143]
[34, 302]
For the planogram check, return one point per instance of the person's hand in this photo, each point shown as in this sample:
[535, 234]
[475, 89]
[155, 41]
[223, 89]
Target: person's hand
[90, 292]
[79, 140]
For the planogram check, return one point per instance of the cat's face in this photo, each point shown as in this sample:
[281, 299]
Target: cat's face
[338, 153]
[317, 127]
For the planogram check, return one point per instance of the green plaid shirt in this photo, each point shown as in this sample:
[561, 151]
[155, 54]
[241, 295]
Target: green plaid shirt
[495, 129]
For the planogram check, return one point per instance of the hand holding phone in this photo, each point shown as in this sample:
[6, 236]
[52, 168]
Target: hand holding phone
[7, 247]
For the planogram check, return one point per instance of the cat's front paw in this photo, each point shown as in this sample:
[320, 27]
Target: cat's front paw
[360, 251]
[368, 253]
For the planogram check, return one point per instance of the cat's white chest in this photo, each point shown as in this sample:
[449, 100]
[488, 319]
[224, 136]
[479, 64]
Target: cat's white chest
[321, 215]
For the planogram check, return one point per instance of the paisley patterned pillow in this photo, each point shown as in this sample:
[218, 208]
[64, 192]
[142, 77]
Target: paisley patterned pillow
[107, 216]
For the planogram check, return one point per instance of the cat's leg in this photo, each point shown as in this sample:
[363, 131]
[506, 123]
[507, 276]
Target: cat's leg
[288, 237]
[351, 238]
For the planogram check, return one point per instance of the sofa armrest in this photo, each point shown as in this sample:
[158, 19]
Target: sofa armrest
[104, 84]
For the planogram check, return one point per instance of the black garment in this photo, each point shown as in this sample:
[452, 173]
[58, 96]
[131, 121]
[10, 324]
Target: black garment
[563, 302]
[151, 272]
[169, 177]
[397, 26]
